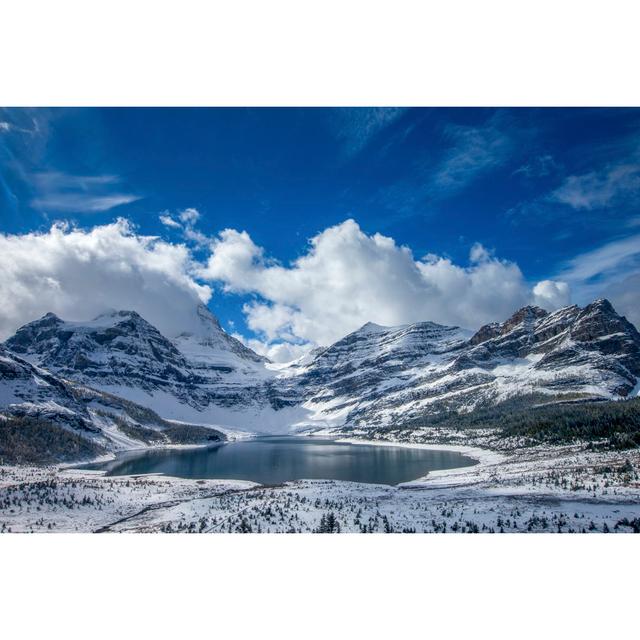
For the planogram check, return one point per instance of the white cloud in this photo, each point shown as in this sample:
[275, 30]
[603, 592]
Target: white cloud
[551, 294]
[598, 189]
[347, 278]
[81, 203]
[56, 191]
[625, 297]
[168, 221]
[477, 254]
[607, 261]
[538, 167]
[277, 351]
[196, 237]
[344, 278]
[187, 219]
[189, 216]
[78, 274]
[611, 271]
[472, 151]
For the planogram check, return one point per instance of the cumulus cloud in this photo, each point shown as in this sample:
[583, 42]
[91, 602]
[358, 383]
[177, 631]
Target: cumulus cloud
[79, 274]
[347, 278]
[194, 236]
[276, 352]
[551, 294]
[344, 279]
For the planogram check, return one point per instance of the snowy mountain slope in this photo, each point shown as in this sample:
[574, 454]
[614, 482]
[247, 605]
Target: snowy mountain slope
[376, 376]
[29, 393]
[381, 376]
[29, 390]
[113, 347]
[202, 375]
[209, 346]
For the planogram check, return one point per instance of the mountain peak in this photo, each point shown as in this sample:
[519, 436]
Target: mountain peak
[204, 313]
[602, 305]
[49, 317]
[122, 313]
[47, 320]
[206, 340]
[116, 316]
[372, 327]
[529, 312]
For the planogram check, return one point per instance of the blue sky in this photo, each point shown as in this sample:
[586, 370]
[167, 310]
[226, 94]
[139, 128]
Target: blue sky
[553, 191]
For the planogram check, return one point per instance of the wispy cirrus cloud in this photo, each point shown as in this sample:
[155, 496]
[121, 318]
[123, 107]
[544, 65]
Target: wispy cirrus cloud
[63, 192]
[185, 222]
[611, 270]
[604, 193]
[355, 128]
[472, 151]
[469, 153]
[605, 262]
[599, 189]
[538, 167]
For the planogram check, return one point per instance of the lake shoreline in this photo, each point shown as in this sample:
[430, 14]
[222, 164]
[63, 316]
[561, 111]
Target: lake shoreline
[536, 489]
[285, 458]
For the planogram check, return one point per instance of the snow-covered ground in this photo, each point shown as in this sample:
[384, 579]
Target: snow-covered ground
[567, 489]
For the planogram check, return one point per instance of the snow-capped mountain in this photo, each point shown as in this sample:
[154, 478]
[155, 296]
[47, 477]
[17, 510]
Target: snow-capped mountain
[375, 376]
[200, 375]
[381, 376]
[115, 348]
[104, 421]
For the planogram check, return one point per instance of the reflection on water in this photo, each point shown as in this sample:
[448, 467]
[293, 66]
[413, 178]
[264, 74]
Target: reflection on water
[272, 460]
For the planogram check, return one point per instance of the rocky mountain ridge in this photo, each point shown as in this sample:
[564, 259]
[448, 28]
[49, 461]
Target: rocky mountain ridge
[184, 377]
[380, 376]
[375, 377]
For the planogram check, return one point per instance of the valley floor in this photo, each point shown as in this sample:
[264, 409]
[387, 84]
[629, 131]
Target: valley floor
[540, 489]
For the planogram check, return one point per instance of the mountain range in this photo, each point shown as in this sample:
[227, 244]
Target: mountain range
[117, 376]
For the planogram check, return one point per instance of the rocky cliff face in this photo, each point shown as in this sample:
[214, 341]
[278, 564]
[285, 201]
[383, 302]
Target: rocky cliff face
[28, 390]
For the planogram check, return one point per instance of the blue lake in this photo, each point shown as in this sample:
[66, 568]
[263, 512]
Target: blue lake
[277, 459]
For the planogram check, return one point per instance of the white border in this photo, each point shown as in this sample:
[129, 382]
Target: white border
[335, 52]
[305, 586]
